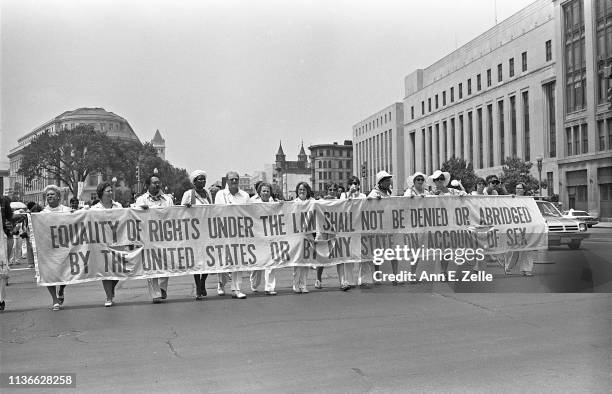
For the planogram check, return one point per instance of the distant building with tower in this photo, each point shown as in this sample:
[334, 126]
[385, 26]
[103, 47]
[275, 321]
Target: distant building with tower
[287, 174]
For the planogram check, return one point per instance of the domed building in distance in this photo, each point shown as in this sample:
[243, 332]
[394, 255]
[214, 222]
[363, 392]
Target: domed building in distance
[102, 120]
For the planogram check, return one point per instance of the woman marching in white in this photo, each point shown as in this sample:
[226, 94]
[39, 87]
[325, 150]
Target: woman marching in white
[198, 196]
[264, 195]
[365, 269]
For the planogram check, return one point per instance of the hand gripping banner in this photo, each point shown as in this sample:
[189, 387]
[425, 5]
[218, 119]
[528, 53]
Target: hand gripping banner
[88, 245]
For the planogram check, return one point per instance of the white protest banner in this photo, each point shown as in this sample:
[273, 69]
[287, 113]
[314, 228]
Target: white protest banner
[120, 244]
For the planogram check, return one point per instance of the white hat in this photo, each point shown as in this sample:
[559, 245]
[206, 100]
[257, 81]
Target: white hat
[195, 174]
[437, 174]
[382, 175]
[410, 180]
[455, 183]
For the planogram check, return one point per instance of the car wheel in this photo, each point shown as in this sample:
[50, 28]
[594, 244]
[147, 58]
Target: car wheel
[574, 245]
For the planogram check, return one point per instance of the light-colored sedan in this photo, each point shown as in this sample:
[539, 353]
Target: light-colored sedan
[582, 216]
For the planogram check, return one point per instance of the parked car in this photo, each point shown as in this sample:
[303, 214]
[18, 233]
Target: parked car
[582, 216]
[561, 230]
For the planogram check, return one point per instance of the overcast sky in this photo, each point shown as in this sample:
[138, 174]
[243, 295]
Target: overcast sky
[225, 81]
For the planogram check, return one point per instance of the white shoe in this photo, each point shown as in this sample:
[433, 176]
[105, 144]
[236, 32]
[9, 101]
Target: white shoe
[304, 290]
[318, 284]
[220, 290]
[108, 303]
[254, 289]
[238, 294]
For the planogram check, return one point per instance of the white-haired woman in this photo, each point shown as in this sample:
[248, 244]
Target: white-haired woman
[52, 196]
[198, 196]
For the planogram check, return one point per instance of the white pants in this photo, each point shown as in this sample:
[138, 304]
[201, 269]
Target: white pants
[300, 277]
[236, 279]
[155, 285]
[269, 279]
[525, 260]
[366, 272]
[346, 274]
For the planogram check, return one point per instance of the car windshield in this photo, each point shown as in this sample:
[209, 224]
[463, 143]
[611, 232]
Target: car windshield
[548, 209]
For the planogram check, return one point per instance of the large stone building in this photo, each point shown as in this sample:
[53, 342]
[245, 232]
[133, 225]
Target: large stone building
[287, 173]
[114, 125]
[530, 87]
[379, 145]
[330, 163]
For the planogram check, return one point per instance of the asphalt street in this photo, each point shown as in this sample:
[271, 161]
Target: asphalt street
[514, 334]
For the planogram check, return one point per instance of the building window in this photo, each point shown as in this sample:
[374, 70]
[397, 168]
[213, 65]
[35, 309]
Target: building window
[469, 86]
[548, 46]
[603, 48]
[511, 67]
[576, 140]
[423, 151]
[412, 112]
[524, 61]
[320, 164]
[461, 135]
[429, 104]
[436, 97]
[452, 136]
[478, 83]
[601, 133]
[430, 150]
[490, 129]
[444, 98]
[526, 141]
[444, 143]
[480, 163]
[452, 94]
[585, 138]
[549, 96]
[502, 136]
[513, 126]
[488, 77]
[460, 91]
[471, 136]
[568, 140]
[499, 73]
[575, 61]
[422, 107]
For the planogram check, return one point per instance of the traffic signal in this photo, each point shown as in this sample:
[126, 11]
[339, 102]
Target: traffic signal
[364, 170]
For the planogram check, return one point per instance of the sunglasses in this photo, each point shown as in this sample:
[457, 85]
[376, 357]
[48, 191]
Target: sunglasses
[495, 182]
[234, 179]
[439, 179]
[419, 179]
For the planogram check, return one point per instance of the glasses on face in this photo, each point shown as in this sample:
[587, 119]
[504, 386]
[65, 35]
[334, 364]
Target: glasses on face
[495, 182]
[202, 179]
[519, 188]
[440, 179]
[233, 179]
[419, 180]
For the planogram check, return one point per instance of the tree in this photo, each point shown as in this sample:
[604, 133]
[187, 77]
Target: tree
[516, 170]
[68, 155]
[461, 170]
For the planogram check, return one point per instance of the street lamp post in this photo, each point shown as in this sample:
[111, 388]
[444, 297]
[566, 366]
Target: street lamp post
[539, 160]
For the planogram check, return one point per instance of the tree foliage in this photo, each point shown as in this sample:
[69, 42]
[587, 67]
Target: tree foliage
[68, 155]
[462, 170]
[516, 170]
